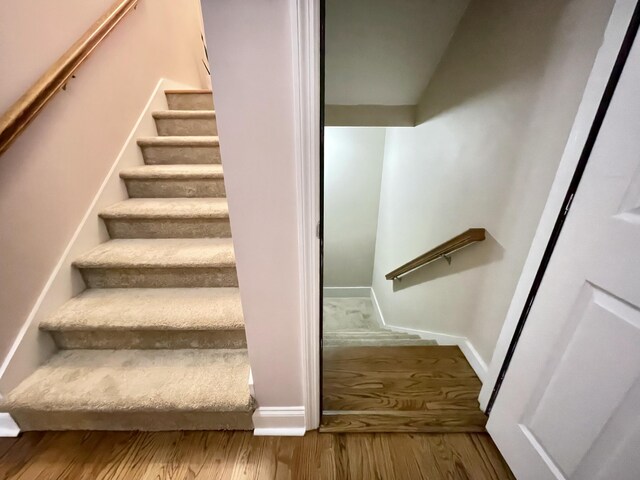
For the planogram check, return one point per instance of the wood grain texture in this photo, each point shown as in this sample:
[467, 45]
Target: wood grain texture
[452, 245]
[240, 455]
[400, 389]
[26, 108]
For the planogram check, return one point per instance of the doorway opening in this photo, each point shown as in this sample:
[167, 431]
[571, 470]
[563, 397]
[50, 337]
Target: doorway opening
[444, 124]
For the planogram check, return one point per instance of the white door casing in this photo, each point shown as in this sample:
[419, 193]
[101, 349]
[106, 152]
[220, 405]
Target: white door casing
[569, 406]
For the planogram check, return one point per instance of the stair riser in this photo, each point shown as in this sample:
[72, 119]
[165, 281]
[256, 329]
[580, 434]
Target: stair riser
[149, 339]
[170, 155]
[159, 277]
[190, 101]
[212, 188]
[155, 421]
[376, 343]
[168, 228]
[186, 126]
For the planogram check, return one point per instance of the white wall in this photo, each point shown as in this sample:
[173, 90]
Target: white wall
[380, 52]
[250, 48]
[352, 172]
[493, 123]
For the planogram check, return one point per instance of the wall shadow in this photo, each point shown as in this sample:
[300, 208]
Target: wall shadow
[473, 256]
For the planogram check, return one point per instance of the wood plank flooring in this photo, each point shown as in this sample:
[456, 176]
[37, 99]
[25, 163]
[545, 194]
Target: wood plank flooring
[400, 389]
[240, 455]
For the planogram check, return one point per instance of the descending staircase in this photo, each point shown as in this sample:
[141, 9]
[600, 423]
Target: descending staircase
[380, 337]
[157, 340]
[350, 322]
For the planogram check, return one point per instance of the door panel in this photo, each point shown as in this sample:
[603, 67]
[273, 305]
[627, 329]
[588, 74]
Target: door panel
[569, 406]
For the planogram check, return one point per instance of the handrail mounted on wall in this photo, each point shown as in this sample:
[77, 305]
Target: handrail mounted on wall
[26, 108]
[441, 251]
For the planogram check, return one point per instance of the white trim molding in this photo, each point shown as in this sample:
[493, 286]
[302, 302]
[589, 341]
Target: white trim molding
[305, 34]
[280, 421]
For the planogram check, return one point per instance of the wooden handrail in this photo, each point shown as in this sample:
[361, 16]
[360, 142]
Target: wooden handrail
[441, 251]
[22, 113]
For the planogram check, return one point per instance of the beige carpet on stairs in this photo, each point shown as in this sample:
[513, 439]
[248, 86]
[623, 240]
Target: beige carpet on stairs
[157, 340]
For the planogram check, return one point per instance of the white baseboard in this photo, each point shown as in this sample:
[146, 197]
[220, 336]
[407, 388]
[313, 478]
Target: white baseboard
[279, 421]
[32, 347]
[252, 388]
[469, 351]
[346, 292]
[377, 311]
[8, 427]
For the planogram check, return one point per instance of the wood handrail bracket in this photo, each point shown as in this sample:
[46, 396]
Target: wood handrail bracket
[441, 251]
[27, 107]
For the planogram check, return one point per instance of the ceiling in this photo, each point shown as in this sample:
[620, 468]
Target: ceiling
[384, 52]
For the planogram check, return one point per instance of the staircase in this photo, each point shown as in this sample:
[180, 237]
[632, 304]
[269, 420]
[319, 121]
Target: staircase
[157, 340]
[350, 322]
[380, 337]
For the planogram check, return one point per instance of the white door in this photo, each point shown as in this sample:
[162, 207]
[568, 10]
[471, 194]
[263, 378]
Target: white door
[569, 406]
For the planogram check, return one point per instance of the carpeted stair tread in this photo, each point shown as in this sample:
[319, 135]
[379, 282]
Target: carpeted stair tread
[159, 253]
[179, 141]
[172, 208]
[150, 309]
[173, 172]
[184, 114]
[137, 380]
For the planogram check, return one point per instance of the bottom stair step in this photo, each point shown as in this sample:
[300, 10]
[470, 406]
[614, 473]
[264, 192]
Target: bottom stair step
[150, 390]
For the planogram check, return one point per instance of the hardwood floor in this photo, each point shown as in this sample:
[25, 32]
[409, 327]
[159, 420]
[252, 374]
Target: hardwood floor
[240, 455]
[400, 389]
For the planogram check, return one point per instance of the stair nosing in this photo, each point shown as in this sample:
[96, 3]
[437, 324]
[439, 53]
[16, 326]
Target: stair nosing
[86, 261]
[166, 309]
[240, 399]
[184, 114]
[179, 141]
[150, 173]
[194, 91]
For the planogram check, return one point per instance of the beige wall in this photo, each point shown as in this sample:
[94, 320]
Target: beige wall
[352, 172]
[52, 172]
[492, 126]
[250, 47]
